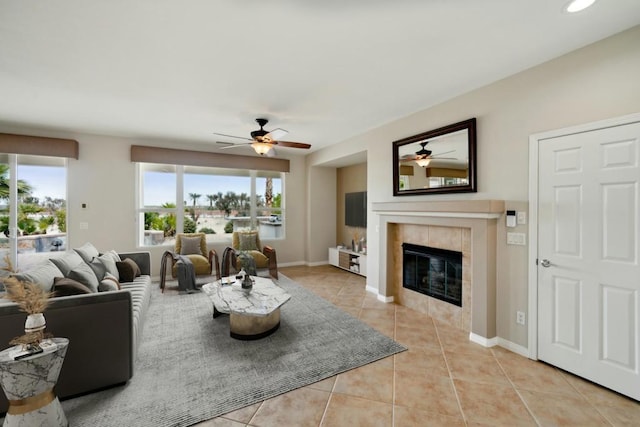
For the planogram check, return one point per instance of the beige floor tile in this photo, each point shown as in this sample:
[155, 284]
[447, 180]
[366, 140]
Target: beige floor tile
[371, 302]
[412, 337]
[492, 404]
[421, 391]
[352, 411]
[373, 381]
[412, 417]
[302, 407]
[383, 324]
[597, 394]
[426, 360]
[353, 311]
[348, 300]
[552, 409]
[324, 385]
[352, 289]
[628, 415]
[527, 374]
[243, 415]
[477, 368]
[408, 318]
[220, 422]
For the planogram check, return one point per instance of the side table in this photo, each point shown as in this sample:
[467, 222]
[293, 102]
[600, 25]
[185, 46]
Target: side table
[28, 384]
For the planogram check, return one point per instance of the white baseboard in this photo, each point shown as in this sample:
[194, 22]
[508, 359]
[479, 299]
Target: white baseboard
[381, 298]
[516, 348]
[317, 263]
[497, 341]
[292, 264]
[485, 342]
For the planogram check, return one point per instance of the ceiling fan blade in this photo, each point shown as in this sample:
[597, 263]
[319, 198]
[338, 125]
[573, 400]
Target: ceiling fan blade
[437, 156]
[234, 146]
[276, 134]
[232, 136]
[292, 144]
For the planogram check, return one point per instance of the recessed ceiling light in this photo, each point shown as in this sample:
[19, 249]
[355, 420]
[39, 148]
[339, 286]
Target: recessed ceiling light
[578, 5]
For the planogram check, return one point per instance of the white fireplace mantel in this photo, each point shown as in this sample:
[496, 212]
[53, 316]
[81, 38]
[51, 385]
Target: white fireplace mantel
[443, 208]
[481, 217]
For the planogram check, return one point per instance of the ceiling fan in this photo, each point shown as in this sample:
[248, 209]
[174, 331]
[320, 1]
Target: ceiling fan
[263, 141]
[423, 156]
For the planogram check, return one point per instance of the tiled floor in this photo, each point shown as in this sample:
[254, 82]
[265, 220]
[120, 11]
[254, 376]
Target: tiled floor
[442, 380]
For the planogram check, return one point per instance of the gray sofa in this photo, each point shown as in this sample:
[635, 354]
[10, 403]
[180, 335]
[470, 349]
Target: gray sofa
[104, 331]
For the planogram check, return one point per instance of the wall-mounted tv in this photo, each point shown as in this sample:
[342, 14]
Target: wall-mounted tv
[355, 209]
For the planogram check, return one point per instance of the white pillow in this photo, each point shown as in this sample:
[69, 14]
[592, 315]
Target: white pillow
[87, 252]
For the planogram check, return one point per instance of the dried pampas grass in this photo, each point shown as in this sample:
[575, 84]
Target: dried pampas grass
[30, 297]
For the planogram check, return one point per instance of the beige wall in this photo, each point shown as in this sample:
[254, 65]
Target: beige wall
[597, 82]
[321, 213]
[350, 179]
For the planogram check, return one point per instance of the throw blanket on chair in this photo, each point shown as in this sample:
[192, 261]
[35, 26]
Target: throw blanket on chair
[186, 274]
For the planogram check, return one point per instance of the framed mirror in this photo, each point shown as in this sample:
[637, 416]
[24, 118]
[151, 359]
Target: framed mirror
[438, 161]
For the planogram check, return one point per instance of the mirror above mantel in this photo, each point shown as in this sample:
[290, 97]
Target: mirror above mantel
[438, 161]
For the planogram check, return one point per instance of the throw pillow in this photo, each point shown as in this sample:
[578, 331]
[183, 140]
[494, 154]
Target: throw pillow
[109, 263]
[128, 270]
[63, 286]
[41, 275]
[99, 269]
[87, 252]
[109, 283]
[67, 262]
[190, 245]
[113, 255]
[85, 275]
[248, 242]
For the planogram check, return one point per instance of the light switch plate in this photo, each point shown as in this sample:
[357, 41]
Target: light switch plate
[516, 239]
[522, 217]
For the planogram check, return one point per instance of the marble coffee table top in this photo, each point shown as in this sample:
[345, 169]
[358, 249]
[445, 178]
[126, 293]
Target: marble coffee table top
[265, 296]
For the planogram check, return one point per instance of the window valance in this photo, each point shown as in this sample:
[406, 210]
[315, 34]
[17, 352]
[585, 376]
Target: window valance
[38, 145]
[147, 154]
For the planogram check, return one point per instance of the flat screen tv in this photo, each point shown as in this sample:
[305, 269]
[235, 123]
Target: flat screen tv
[355, 209]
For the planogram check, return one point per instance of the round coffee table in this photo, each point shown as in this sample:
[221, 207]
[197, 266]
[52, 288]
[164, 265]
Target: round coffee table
[251, 316]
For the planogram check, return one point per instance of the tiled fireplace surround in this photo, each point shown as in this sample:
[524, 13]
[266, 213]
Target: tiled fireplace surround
[469, 227]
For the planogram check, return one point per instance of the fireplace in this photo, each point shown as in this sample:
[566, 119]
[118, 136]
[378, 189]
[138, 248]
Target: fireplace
[432, 271]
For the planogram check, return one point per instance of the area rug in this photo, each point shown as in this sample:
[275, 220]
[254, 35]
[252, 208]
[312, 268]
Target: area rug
[189, 369]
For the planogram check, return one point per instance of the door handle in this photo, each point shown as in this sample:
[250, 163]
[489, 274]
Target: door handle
[545, 263]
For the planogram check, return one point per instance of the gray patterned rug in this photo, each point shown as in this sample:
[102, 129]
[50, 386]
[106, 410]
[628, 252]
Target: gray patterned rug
[190, 370]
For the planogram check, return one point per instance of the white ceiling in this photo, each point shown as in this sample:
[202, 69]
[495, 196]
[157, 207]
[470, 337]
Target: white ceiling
[325, 70]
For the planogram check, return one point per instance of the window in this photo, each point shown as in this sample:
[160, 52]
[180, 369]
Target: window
[215, 201]
[33, 207]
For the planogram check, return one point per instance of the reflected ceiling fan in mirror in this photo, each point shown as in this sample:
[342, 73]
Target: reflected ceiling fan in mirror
[423, 156]
[263, 141]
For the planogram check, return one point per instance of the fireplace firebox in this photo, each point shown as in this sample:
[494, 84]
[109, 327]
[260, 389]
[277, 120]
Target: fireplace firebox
[433, 271]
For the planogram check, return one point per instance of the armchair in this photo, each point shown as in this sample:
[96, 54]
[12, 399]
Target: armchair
[249, 242]
[194, 247]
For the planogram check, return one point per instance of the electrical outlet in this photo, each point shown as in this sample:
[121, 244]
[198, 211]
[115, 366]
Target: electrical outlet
[520, 318]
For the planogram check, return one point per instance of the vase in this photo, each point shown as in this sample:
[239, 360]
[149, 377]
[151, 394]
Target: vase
[247, 284]
[34, 323]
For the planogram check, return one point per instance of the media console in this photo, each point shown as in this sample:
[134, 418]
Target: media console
[347, 259]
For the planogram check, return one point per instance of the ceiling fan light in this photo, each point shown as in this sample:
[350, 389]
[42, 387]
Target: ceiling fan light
[261, 148]
[423, 162]
[578, 5]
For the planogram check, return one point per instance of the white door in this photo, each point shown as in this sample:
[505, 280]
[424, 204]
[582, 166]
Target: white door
[588, 249]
